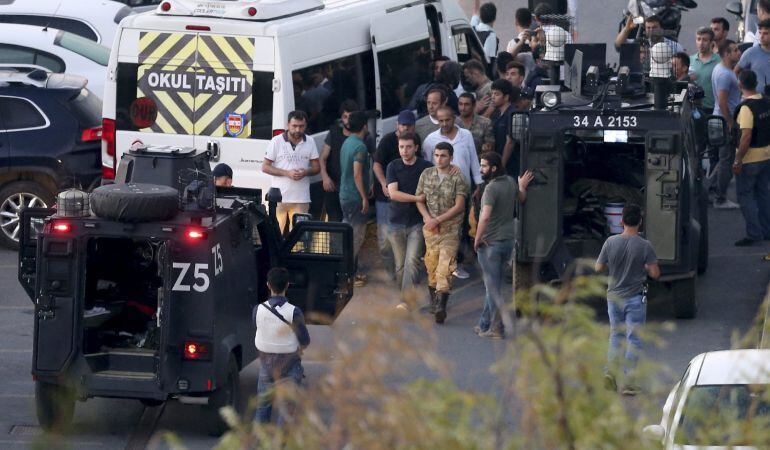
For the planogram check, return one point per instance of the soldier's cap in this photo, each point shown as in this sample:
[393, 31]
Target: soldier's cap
[222, 170]
[406, 117]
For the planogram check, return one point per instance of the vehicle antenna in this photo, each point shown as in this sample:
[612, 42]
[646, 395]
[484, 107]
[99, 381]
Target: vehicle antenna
[56, 11]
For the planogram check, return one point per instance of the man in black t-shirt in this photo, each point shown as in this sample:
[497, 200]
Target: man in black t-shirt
[405, 229]
[387, 151]
[504, 96]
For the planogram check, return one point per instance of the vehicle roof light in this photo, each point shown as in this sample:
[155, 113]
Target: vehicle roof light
[198, 27]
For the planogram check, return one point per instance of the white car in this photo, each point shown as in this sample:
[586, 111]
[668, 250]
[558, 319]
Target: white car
[721, 402]
[55, 51]
[96, 20]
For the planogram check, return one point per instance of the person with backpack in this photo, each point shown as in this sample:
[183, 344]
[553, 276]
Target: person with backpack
[483, 21]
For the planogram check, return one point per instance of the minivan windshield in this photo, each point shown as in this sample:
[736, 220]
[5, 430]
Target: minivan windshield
[83, 47]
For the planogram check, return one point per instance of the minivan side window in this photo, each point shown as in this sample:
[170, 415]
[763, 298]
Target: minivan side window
[319, 90]
[402, 70]
[467, 46]
[62, 23]
[20, 114]
[16, 54]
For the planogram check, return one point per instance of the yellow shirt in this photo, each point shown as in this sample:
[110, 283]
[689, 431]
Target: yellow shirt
[746, 121]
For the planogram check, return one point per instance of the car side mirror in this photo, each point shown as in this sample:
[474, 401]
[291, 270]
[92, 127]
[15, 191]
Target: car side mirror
[654, 433]
[735, 8]
[716, 131]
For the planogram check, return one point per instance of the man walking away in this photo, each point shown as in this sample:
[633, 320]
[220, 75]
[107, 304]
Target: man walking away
[354, 186]
[483, 21]
[445, 194]
[495, 237]
[291, 158]
[727, 95]
[405, 231]
[752, 161]
[281, 335]
[630, 260]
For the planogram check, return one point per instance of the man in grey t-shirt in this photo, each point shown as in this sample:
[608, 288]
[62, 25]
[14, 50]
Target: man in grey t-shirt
[629, 259]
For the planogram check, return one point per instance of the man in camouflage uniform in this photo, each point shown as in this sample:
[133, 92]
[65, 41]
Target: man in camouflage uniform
[479, 126]
[445, 194]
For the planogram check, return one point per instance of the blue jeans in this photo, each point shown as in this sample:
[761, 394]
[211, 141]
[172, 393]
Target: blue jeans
[351, 213]
[626, 317]
[408, 246]
[383, 243]
[265, 384]
[753, 189]
[493, 258]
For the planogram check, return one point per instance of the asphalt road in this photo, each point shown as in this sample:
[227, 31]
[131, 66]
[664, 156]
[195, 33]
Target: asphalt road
[729, 295]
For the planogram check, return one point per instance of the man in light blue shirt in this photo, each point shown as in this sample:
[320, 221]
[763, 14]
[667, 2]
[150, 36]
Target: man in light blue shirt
[727, 95]
[483, 20]
[757, 58]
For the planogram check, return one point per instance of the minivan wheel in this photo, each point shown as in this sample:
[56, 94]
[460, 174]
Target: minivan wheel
[684, 298]
[229, 394]
[55, 405]
[13, 199]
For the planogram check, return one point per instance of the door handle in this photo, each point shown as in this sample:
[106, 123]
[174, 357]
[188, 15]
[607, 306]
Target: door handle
[213, 149]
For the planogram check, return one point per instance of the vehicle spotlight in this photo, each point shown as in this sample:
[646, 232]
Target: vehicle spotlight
[550, 99]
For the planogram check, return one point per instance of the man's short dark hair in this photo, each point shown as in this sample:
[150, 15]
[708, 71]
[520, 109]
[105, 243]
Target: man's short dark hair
[348, 106]
[523, 17]
[748, 79]
[488, 12]
[356, 121]
[474, 64]
[722, 21]
[724, 47]
[764, 24]
[764, 4]
[705, 31]
[278, 279]
[542, 9]
[632, 215]
[439, 91]
[502, 60]
[446, 146]
[469, 96]
[683, 57]
[410, 136]
[518, 66]
[504, 86]
[494, 159]
[297, 114]
[654, 19]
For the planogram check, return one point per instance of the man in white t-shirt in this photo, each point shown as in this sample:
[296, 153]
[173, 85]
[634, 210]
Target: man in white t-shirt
[291, 158]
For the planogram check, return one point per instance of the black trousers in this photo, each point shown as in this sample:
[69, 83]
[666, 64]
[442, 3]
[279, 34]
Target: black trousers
[322, 201]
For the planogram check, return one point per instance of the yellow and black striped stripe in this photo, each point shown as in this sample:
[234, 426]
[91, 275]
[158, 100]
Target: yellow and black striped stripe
[196, 80]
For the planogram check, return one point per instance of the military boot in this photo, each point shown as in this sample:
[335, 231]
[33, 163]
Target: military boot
[430, 308]
[441, 300]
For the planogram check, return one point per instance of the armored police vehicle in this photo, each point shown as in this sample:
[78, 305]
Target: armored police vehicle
[147, 292]
[605, 138]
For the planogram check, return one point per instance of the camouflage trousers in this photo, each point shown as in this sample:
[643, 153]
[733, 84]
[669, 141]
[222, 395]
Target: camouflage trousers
[441, 257]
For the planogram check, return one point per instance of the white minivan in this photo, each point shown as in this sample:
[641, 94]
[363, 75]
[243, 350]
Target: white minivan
[223, 75]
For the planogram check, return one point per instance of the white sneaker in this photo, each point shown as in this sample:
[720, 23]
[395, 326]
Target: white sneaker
[461, 273]
[727, 204]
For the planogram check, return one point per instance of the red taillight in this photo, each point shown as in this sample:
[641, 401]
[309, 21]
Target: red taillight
[252, 11]
[61, 227]
[198, 28]
[195, 234]
[196, 350]
[165, 6]
[91, 134]
[277, 132]
[108, 149]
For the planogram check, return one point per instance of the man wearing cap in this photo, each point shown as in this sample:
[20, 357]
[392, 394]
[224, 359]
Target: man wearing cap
[223, 175]
[387, 151]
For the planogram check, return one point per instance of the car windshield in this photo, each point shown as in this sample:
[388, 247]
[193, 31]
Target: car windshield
[83, 47]
[725, 415]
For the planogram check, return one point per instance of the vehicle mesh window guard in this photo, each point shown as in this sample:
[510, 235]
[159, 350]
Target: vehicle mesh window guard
[320, 243]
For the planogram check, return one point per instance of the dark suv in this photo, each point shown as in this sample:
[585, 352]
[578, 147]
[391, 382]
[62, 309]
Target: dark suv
[50, 139]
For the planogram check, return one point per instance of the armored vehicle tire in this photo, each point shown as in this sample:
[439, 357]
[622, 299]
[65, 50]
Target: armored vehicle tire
[684, 299]
[229, 394]
[55, 405]
[134, 202]
[13, 198]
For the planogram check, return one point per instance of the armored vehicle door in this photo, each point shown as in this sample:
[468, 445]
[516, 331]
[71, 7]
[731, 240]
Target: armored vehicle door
[663, 175]
[319, 257]
[540, 216]
[31, 226]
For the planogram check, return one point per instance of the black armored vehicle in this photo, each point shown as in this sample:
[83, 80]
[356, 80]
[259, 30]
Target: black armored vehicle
[607, 137]
[145, 288]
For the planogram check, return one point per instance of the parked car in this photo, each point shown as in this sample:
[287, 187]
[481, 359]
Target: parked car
[50, 140]
[55, 50]
[721, 402]
[95, 20]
